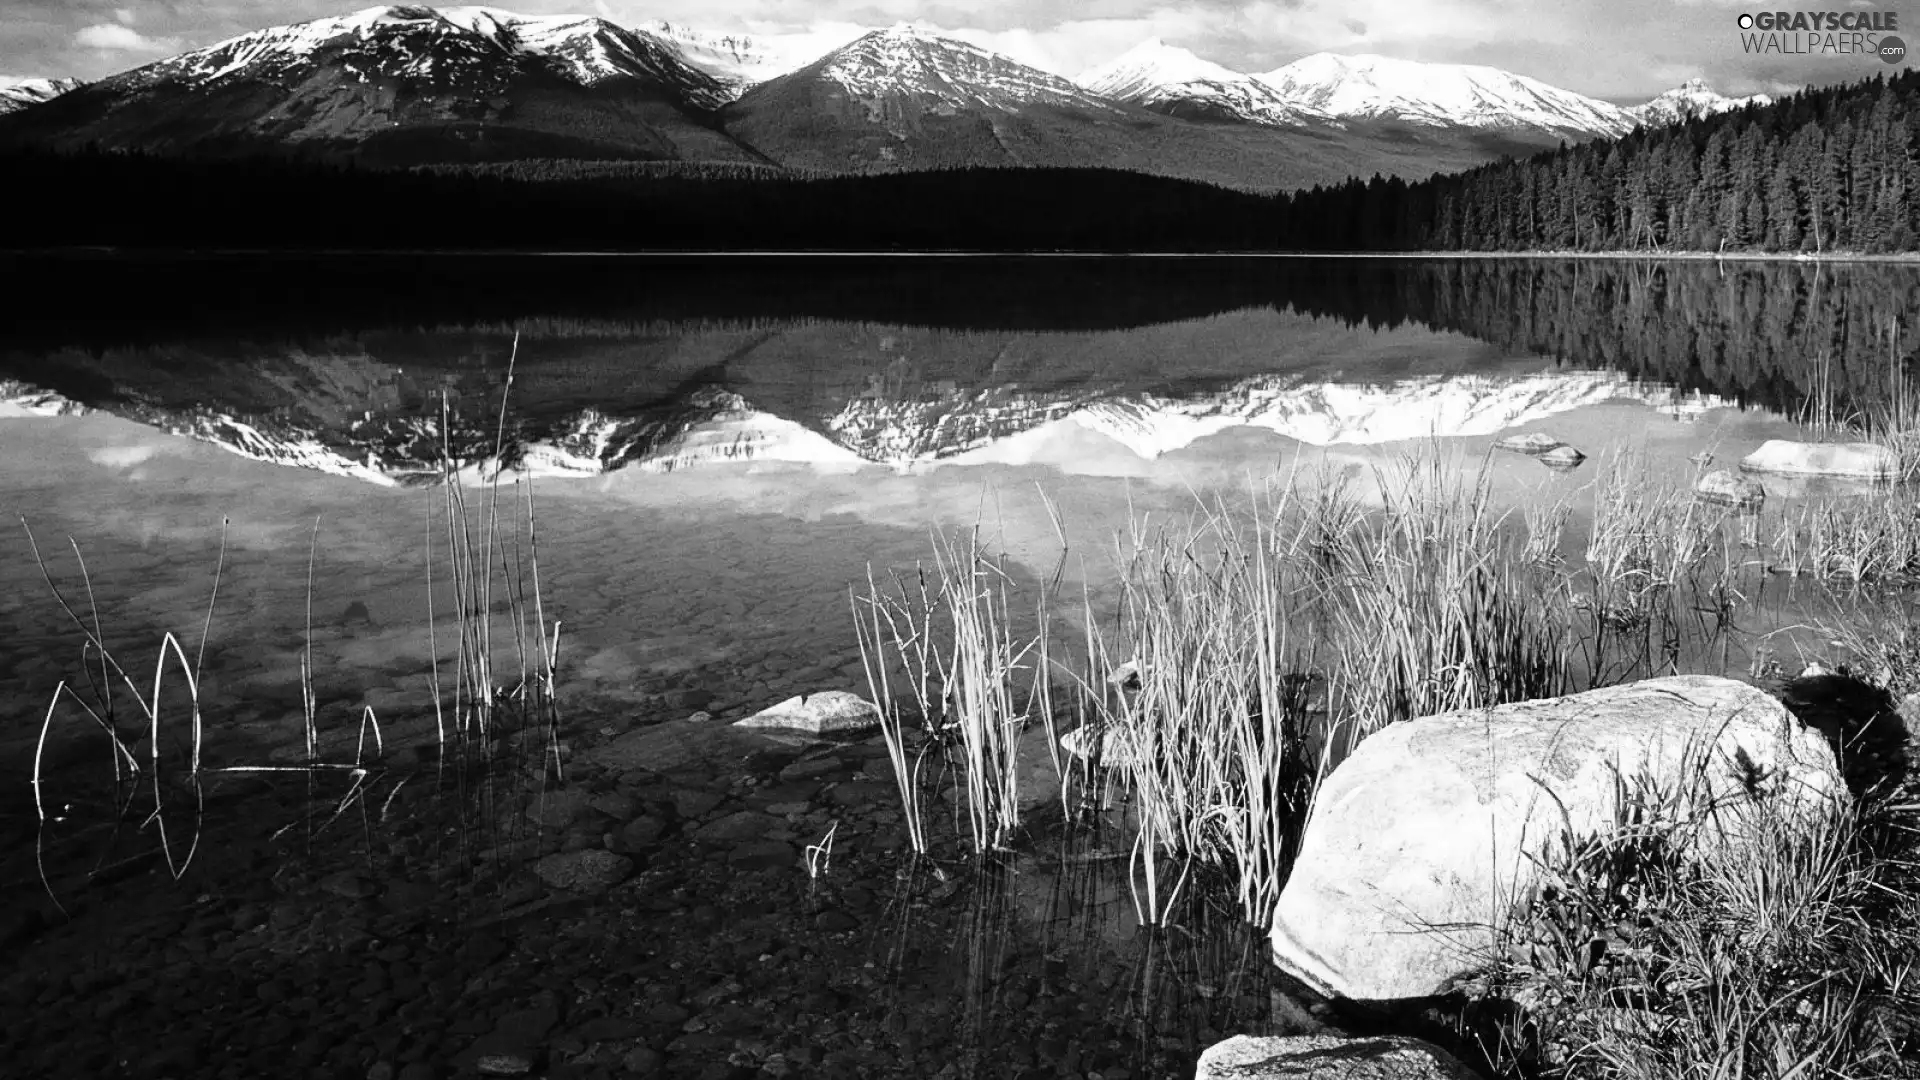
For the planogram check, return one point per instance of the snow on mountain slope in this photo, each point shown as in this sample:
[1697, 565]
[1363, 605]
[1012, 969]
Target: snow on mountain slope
[288, 447]
[589, 49]
[401, 86]
[904, 60]
[1174, 80]
[970, 426]
[740, 60]
[737, 433]
[449, 46]
[709, 426]
[713, 426]
[1149, 66]
[1463, 95]
[413, 33]
[1325, 414]
[19, 399]
[1691, 100]
[17, 94]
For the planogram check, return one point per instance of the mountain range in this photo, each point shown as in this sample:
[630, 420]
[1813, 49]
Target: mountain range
[17, 94]
[413, 85]
[711, 425]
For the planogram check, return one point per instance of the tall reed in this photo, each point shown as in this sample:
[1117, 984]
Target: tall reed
[949, 636]
[473, 569]
[1441, 611]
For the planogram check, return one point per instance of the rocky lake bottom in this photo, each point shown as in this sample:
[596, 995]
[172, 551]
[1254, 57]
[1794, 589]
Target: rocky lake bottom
[610, 921]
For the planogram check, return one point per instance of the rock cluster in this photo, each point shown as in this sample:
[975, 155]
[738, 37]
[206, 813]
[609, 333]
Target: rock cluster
[1543, 447]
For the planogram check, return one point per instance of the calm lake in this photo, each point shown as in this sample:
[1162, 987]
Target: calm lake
[716, 450]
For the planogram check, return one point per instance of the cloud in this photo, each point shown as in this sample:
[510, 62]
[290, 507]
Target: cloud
[113, 37]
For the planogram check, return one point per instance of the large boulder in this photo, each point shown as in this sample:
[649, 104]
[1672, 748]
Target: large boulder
[1328, 1057]
[1423, 837]
[1862, 460]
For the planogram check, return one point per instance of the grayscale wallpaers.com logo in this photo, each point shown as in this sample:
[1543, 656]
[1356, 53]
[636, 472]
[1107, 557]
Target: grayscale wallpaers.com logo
[1823, 33]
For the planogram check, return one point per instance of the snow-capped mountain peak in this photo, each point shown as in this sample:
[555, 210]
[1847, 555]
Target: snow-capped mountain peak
[1691, 100]
[17, 93]
[448, 45]
[1368, 86]
[1173, 80]
[742, 60]
[1151, 64]
[905, 59]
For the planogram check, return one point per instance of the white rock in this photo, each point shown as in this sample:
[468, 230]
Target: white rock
[1328, 1057]
[1723, 487]
[1127, 676]
[1421, 838]
[827, 711]
[1116, 749]
[1859, 459]
[1533, 443]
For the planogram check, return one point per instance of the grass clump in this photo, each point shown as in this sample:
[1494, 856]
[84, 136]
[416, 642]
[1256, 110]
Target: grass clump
[1661, 949]
[1259, 641]
[1869, 540]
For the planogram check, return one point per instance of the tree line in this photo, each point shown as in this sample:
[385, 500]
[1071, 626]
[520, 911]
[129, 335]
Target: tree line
[111, 198]
[1831, 169]
[1790, 337]
[1780, 335]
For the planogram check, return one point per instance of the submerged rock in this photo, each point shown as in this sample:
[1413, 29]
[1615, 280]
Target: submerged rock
[1533, 443]
[1394, 892]
[1552, 452]
[558, 809]
[1562, 458]
[818, 714]
[1724, 487]
[1862, 460]
[1301, 1057]
[668, 746]
[590, 870]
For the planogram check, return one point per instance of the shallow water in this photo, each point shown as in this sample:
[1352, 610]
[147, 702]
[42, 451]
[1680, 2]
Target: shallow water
[712, 470]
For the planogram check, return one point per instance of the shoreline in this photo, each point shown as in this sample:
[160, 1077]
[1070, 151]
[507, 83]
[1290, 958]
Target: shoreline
[680, 253]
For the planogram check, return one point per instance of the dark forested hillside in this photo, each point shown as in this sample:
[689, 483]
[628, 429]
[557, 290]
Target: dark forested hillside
[130, 200]
[1835, 169]
[1828, 169]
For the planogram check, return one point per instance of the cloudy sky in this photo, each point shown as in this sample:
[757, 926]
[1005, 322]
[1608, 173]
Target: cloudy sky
[1621, 50]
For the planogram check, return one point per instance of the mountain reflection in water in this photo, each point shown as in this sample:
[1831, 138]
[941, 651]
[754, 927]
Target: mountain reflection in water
[663, 364]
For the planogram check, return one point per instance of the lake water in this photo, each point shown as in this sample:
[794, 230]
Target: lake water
[716, 450]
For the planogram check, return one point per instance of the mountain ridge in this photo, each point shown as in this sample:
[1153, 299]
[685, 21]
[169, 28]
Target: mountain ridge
[410, 85]
[1172, 80]
[1691, 100]
[18, 93]
[403, 84]
[709, 424]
